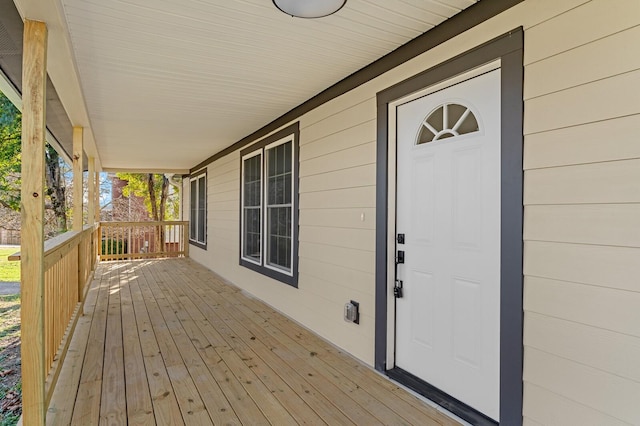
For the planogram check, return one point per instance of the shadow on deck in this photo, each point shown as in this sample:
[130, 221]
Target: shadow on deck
[168, 342]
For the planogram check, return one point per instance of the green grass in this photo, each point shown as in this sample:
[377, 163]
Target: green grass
[10, 420]
[9, 271]
[10, 383]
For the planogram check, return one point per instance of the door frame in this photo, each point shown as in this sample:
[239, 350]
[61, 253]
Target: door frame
[508, 50]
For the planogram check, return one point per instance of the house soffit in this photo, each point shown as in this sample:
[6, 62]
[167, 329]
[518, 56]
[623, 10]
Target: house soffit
[168, 83]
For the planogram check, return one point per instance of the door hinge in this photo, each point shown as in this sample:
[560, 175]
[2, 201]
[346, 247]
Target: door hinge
[400, 238]
[400, 257]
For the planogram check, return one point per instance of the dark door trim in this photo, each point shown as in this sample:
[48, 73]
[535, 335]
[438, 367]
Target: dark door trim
[509, 49]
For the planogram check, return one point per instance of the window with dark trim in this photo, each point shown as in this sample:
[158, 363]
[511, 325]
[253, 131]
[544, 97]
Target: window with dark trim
[198, 210]
[269, 206]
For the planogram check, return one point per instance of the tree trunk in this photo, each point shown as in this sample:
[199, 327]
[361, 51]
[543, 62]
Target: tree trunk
[152, 197]
[55, 188]
[164, 194]
[163, 201]
[158, 208]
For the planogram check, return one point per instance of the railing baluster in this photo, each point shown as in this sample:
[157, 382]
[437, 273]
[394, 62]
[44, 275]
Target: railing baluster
[141, 240]
[68, 261]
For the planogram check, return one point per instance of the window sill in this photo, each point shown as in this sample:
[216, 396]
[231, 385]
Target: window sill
[291, 280]
[197, 244]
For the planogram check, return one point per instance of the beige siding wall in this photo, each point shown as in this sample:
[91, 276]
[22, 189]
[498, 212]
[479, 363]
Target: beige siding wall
[582, 197]
[582, 216]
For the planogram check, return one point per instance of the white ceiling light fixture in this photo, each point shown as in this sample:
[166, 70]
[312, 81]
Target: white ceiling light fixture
[309, 8]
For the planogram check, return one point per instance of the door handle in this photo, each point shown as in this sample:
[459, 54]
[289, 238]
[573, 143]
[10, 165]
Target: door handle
[397, 289]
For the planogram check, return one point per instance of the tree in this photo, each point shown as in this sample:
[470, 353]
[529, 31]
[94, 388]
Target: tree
[154, 189]
[10, 147]
[56, 187]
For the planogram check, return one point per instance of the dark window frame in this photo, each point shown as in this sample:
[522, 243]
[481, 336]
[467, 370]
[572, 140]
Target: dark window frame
[197, 178]
[290, 278]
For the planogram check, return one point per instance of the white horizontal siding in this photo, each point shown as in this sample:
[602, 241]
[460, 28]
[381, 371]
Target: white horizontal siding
[610, 309]
[605, 266]
[551, 409]
[610, 394]
[612, 99]
[581, 226]
[359, 155]
[594, 183]
[359, 239]
[339, 121]
[340, 141]
[597, 347]
[600, 224]
[358, 260]
[608, 140]
[364, 196]
[339, 218]
[578, 26]
[353, 177]
[610, 55]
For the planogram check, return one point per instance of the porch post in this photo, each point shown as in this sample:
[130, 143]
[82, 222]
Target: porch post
[97, 195]
[77, 178]
[91, 199]
[34, 77]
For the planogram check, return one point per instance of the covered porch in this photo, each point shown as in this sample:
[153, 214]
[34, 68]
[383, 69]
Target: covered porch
[167, 341]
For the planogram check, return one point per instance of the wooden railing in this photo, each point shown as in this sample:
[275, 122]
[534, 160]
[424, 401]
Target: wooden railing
[139, 240]
[69, 260]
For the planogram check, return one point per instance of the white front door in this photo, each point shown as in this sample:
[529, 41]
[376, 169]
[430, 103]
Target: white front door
[448, 209]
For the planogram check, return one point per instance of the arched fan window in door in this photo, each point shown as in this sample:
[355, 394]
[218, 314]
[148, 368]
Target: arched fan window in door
[446, 121]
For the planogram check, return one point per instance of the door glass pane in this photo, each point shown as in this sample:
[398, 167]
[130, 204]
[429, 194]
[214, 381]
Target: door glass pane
[447, 121]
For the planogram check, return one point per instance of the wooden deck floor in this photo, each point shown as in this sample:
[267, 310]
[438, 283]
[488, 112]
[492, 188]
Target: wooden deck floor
[167, 342]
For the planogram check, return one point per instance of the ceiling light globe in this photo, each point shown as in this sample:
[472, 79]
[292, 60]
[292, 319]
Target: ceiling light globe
[309, 8]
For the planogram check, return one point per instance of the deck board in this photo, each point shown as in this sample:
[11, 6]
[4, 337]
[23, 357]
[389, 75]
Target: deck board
[191, 405]
[279, 409]
[138, 398]
[164, 402]
[87, 403]
[168, 342]
[113, 404]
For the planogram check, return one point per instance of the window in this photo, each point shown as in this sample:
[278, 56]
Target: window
[198, 211]
[269, 214]
[446, 121]
[252, 207]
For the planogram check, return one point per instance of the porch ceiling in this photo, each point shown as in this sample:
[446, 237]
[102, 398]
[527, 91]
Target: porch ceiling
[167, 83]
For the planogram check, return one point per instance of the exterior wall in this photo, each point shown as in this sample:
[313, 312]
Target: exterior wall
[582, 332]
[582, 217]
